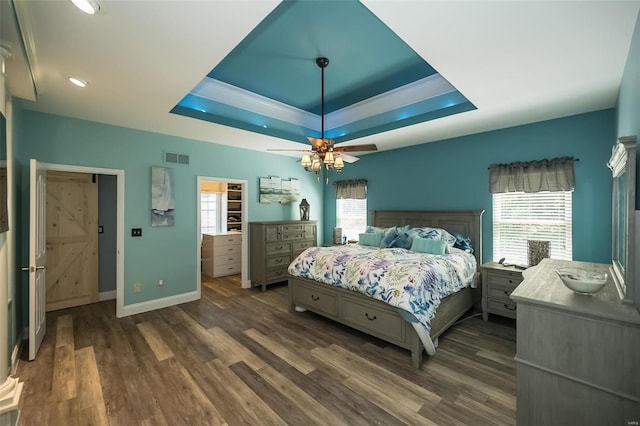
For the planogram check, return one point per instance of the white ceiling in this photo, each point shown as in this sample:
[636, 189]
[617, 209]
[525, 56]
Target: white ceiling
[517, 61]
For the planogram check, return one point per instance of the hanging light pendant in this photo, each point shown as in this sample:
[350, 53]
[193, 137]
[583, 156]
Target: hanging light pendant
[322, 148]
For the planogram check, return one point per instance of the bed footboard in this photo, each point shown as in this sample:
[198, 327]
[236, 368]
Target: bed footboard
[372, 316]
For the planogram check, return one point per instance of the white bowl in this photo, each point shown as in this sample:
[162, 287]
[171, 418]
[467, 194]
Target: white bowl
[581, 281]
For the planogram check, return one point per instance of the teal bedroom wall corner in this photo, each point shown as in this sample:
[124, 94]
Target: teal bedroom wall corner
[453, 175]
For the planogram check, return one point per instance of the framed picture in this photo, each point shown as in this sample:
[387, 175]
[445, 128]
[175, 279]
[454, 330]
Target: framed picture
[277, 190]
[162, 197]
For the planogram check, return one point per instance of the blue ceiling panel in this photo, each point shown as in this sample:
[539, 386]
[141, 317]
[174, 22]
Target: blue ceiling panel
[277, 59]
[274, 71]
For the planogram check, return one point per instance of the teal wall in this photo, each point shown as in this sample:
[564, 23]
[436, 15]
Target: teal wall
[167, 253]
[628, 107]
[452, 174]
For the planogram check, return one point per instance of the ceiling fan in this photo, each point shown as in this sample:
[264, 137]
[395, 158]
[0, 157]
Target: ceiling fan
[323, 150]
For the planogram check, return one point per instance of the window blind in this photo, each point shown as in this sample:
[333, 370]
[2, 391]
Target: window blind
[351, 216]
[519, 216]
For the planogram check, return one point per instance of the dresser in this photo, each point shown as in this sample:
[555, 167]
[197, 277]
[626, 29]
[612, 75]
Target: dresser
[221, 254]
[273, 245]
[578, 356]
[498, 282]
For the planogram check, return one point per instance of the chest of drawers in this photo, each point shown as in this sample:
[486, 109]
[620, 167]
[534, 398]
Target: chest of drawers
[273, 245]
[577, 356]
[221, 254]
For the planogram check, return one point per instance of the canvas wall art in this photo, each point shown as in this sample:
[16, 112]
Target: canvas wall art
[162, 197]
[277, 190]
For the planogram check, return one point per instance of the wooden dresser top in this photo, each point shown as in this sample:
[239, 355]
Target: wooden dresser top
[542, 286]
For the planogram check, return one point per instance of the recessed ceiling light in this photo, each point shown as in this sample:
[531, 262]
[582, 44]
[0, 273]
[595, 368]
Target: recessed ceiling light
[78, 81]
[87, 6]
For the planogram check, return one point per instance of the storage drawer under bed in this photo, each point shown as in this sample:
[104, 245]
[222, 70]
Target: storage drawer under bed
[316, 299]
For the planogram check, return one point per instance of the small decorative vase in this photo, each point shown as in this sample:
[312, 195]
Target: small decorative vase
[537, 250]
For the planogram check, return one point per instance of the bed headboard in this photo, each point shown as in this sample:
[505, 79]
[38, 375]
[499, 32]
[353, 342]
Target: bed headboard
[466, 222]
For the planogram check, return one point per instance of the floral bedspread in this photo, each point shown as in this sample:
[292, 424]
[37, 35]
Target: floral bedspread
[414, 282]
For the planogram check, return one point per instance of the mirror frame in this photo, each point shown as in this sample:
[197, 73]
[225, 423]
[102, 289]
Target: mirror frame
[623, 165]
[4, 193]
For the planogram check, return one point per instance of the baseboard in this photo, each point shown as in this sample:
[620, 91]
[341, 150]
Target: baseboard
[106, 295]
[16, 353]
[151, 305]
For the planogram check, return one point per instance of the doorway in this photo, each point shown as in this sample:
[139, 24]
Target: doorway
[108, 232]
[223, 228]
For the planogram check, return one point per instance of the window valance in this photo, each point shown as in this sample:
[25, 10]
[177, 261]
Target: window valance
[354, 189]
[533, 176]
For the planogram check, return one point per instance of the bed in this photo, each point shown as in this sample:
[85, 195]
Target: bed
[385, 321]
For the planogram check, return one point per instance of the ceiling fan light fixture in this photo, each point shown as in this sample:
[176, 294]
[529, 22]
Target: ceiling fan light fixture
[323, 151]
[316, 164]
[306, 161]
[329, 159]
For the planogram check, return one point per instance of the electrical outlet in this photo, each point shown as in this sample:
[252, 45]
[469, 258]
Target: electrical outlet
[137, 288]
[160, 283]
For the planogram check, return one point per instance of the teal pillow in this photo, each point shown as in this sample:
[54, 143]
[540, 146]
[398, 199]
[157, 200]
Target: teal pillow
[428, 245]
[388, 237]
[370, 239]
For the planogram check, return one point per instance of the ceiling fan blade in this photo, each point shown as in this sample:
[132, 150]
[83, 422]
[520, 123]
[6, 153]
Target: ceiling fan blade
[356, 148]
[289, 150]
[348, 158]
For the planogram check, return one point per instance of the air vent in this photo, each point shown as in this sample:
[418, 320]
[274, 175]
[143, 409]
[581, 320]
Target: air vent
[175, 158]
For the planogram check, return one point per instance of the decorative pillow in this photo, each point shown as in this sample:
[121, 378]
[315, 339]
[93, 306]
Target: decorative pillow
[428, 245]
[403, 240]
[433, 234]
[462, 242]
[389, 235]
[370, 239]
[375, 230]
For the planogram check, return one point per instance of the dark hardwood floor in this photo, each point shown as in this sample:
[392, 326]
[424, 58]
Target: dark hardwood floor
[238, 357]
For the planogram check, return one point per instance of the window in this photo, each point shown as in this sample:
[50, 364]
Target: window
[351, 216]
[210, 211]
[519, 216]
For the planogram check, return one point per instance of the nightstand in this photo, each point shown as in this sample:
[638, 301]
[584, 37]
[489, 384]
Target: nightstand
[497, 284]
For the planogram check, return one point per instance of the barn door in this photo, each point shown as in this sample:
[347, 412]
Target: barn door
[72, 239]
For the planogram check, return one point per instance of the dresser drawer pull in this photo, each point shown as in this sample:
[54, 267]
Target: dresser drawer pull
[279, 273]
[278, 260]
[230, 249]
[315, 298]
[509, 307]
[508, 293]
[279, 248]
[370, 318]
